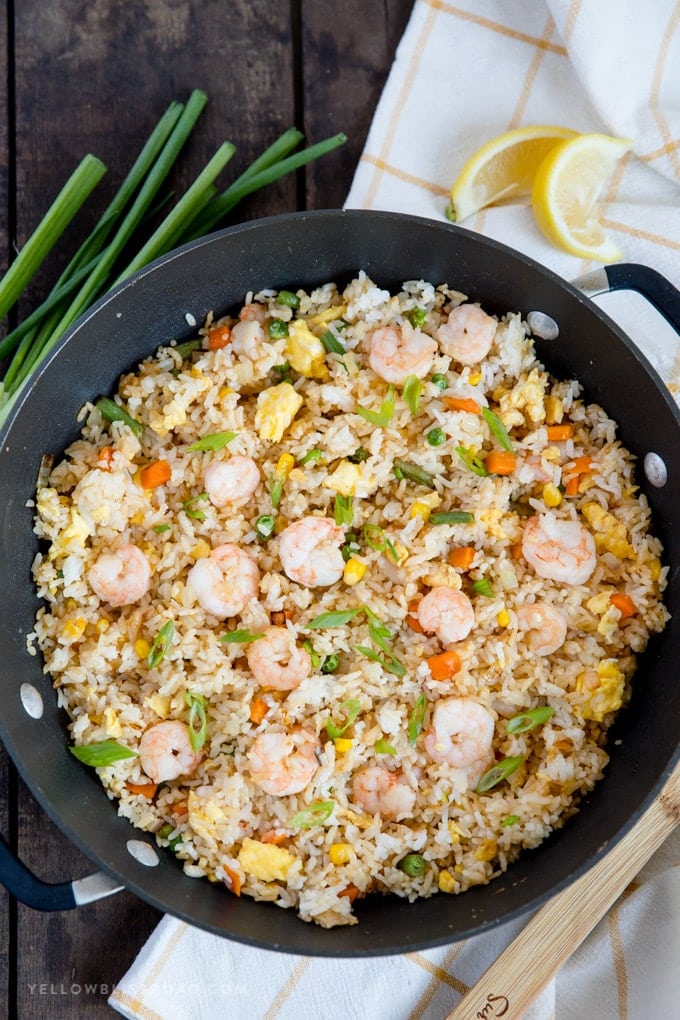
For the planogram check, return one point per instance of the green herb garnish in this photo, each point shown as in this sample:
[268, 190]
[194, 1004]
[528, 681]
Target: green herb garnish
[352, 707]
[315, 814]
[483, 587]
[417, 718]
[240, 637]
[402, 469]
[412, 865]
[411, 393]
[383, 417]
[277, 329]
[187, 348]
[351, 545]
[331, 343]
[190, 509]
[338, 619]
[359, 455]
[383, 746]
[264, 525]
[198, 723]
[497, 773]
[101, 754]
[283, 372]
[526, 721]
[498, 429]
[312, 456]
[286, 297]
[440, 381]
[275, 490]
[375, 537]
[214, 441]
[330, 663]
[160, 528]
[314, 656]
[111, 411]
[344, 509]
[436, 437]
[388, 661]
[161, 644]
[416, 316]
[164, 833]
[471, 461]
[510, 820]
[452, 517]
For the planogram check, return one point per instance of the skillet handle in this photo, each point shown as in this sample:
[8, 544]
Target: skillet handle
[659, 291]
[28, 889]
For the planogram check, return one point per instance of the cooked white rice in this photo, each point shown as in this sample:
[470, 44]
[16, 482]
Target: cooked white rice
[217, 817]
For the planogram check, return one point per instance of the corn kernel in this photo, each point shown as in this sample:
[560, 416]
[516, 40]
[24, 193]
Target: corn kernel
[340, 853]
[138, 518]
[71, 604]
[354, 571]
[343, 744]
[446, 882]
[420, 510]
[551, 495]
[285, 465]
[503, 618]
[200, 550]
[551, 453]
[459, 869]
[655, 568]
[554, 410]
[142, 648]
[475, 378]
[454, 833]
[73, 629]
[224, 391]
[487, 850]
[137, 477]
[102, 625]
[280, 524]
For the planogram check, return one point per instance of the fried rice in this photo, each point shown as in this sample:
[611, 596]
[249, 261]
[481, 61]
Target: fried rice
[438, 575]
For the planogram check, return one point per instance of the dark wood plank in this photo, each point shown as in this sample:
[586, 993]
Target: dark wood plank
[347, 52]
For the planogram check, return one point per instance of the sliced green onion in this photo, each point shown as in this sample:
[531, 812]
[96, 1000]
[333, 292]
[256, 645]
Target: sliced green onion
[339, 619]
[275, 490]
[436, 437]
[379, 633]
[498, 429]
[190, 509]
[440, 381]
[330, 663]
[331, 343]
[187, 348]
[383, 746]
[352, 708]
[411, 393]
[412, 865]
[214, 441]
[497, 773]
[413, 473]
[240, 637]
[452, 517]
[526, 721]
[198, 723]
[510, 820]
[101, 754]
[417, 718]
[388, 661]
[472, 462]
[315, 814]
[277, 329]
[161, 644]
[287, 298]
[264, 525]
[314, 656]
[111, 411]
[160, 528]
[350, 547]
[344, 509]
[359, 455]
[312, 456]
[416, 316]
[483, 587]
[375, 537]
[283, 372]
[164, 833]
[383, 417]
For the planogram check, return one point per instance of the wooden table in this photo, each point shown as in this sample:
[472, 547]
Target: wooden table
[83, 77]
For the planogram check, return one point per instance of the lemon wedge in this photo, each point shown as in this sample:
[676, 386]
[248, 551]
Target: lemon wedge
[503, 168]
[566, 190]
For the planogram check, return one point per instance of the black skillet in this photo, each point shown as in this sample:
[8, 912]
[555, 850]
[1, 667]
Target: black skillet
[305, 249]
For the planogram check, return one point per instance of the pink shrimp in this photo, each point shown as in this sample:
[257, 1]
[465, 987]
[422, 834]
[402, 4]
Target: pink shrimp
[121, 577]
[446, 612]
[559, 550]
[380, 792]
[399, 351]
[225, 581]
[283, 763]
[276, 661]
[467, 334]
[310, 554]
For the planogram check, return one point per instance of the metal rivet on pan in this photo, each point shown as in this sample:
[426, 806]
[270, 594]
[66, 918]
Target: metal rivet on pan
[31, 699]
[142, 852]
[191, 321]
[655, 470]
[543, 326]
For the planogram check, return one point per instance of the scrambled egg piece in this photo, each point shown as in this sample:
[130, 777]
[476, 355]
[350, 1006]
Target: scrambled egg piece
[328, 315]
[608, 695]
[492, 518]
[276, 408]
[174, 413]
[265, 861]
[111, 724]
[610, 533]
[344, 479]
[305, 352]
[205, 816]
[72, 537]
[525, 400]
[158, 704]
[601, 605]
[49, 505]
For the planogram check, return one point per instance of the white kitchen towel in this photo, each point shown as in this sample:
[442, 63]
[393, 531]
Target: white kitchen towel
[463, 73]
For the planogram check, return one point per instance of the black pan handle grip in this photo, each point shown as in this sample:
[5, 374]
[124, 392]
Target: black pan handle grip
[659, 291]
[29, 889]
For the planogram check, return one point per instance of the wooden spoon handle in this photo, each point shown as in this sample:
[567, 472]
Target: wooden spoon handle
[524, 968]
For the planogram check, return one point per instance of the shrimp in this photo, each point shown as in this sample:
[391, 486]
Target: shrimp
[253, 312]
[230, 482]
[246, 338]
[559, 550]
[283, 763]
[276, 661]
[545, 626]
[225, 581]
[461, 735]
[121, 577]
[467, 334]
[447, 613]
[310, 552]
[399, 351]
[165, 751]
[380, 792]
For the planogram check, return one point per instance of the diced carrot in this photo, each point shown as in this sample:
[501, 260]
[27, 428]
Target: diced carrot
[143, 789]
[624, 604]
[500, 462]
[462, 557]
[275, 836]
[180, 809]
[258, 709]
[106, 457]
[278, 617]
[571, 487]
[560, 433]
[234, 880]
[412, 618]
[580, 466]
[218, 337]
[444, 666]
[462, 404]
[155, 474]
[350, 891]
[516, 551]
